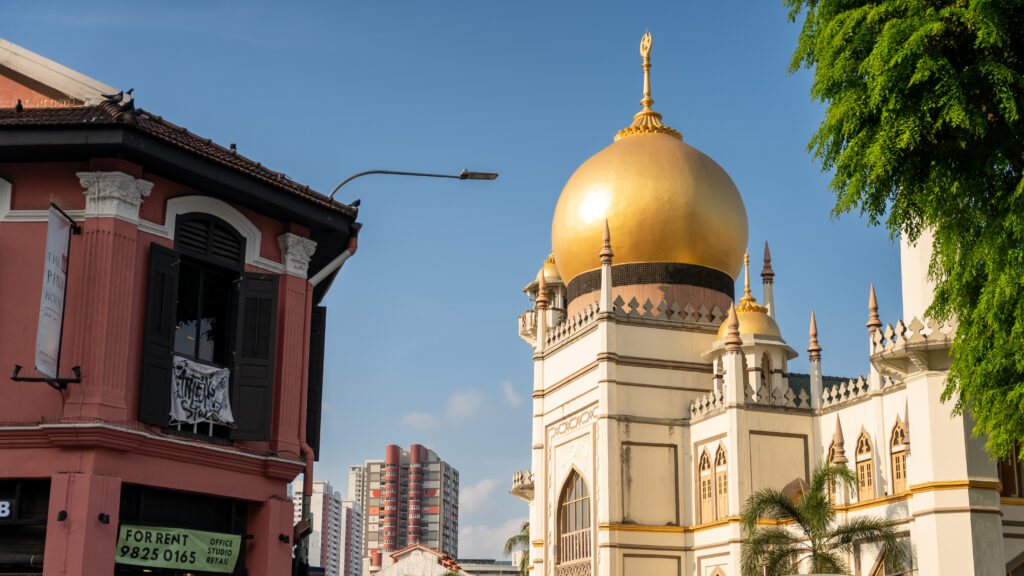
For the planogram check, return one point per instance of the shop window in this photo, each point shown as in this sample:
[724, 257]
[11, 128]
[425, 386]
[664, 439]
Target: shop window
[898, 448]
[574, 521]
[865, 468]
[203, 308]
[721, 484]
[706, 487]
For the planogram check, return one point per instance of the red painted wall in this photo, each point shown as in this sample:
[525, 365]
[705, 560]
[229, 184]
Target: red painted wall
[87, 438]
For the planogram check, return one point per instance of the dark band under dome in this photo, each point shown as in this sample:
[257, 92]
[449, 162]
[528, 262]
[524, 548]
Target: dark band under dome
[654, 273]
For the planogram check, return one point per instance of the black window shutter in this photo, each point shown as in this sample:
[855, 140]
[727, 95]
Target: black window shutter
[158, 338]
[253, 381]
[315, 386]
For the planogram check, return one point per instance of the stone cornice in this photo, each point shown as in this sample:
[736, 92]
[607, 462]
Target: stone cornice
[98, 435]
[113, 195]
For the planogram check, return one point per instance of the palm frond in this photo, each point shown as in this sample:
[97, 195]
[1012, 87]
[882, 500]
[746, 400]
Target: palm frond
[869, 529]
[769, 503]
[772, 546]
[829, 562]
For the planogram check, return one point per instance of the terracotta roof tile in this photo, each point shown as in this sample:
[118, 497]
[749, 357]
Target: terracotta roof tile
[153, 125]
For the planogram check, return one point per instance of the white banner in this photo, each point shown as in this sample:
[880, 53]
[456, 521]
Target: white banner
[200, 393]
[51, 306]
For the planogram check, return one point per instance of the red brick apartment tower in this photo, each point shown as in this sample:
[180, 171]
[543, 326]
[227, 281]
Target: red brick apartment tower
[410, 497]
[189, 257]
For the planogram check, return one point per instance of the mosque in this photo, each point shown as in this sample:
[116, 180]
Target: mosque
[660, 404]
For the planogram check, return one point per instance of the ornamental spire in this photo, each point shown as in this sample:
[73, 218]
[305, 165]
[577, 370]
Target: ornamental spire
[813, 349]
[767, 274]
[748, 303]
[839, 454]
[874, 322]
[542, 292]
[606, 253]
[647, 120]
[733, 342]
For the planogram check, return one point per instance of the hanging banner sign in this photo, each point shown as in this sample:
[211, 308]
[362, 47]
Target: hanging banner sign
[177, 548]
[51, 306]
[199, 393]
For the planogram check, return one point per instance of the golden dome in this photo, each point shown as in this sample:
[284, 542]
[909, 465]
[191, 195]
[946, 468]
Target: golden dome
[550, 271]
[753, 322]
[664, 200]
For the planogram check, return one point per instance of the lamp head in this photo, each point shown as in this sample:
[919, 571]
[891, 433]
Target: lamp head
[467, 175]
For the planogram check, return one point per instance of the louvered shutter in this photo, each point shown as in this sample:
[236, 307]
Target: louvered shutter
[253, 380]
[210, 239]
[315, 385]
[158, 337]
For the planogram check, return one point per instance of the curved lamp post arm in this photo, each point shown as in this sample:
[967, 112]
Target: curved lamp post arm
[464, 175]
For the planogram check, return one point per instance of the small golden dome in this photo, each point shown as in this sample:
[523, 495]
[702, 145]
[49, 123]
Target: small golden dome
[664, 200]
[753, 322]
[550, 271]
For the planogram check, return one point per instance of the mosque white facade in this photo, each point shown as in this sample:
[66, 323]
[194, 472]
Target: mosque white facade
[660, 404]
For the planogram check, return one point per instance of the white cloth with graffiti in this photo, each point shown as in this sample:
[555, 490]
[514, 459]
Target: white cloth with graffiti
[199, 393]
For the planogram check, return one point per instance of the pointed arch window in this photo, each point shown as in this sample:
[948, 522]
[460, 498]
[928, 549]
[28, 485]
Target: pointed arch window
[831, 459]
[721, 484]
[898, 449]
[707, 487]
[574, 521]
[865, 468]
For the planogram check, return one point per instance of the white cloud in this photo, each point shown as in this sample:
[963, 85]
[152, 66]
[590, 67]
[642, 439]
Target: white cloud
[483, 541]
[418, 420]
[464, 403]
[512, 398]
[476, 497]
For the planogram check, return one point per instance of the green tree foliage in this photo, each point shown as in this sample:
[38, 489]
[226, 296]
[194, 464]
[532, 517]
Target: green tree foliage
[783, 533]
[520, 543]
[923, 130]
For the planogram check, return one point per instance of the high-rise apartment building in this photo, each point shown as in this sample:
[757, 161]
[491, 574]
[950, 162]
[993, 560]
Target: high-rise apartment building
[351, 541]
[410, 497]
[335, 544]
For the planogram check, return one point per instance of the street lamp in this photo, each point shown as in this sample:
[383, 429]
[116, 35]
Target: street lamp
[337, 262]
[464, 175]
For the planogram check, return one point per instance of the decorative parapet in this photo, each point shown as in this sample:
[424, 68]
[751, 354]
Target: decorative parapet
[522, 485]
[711, 403]
[670, 312]
[906, 348]
[528, 327]
[564, 328]
[851, 390]
[782, 397]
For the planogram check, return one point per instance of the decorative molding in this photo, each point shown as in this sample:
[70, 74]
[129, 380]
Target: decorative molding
[226, 212]
[296, 252]
[113, 195]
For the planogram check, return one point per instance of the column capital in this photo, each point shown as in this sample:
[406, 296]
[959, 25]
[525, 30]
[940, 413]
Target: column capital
[113, 195]
[295, 253]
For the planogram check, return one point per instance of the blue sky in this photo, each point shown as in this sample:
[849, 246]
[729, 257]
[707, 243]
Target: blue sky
[422, 342]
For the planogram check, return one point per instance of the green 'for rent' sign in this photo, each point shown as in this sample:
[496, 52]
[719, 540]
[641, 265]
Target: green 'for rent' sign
[156, 547]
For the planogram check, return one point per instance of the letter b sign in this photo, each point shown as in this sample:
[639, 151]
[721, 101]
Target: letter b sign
[5, 508]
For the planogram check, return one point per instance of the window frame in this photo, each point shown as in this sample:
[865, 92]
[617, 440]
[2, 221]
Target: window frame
[864, 457]
[251, 334]
[898, 457]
